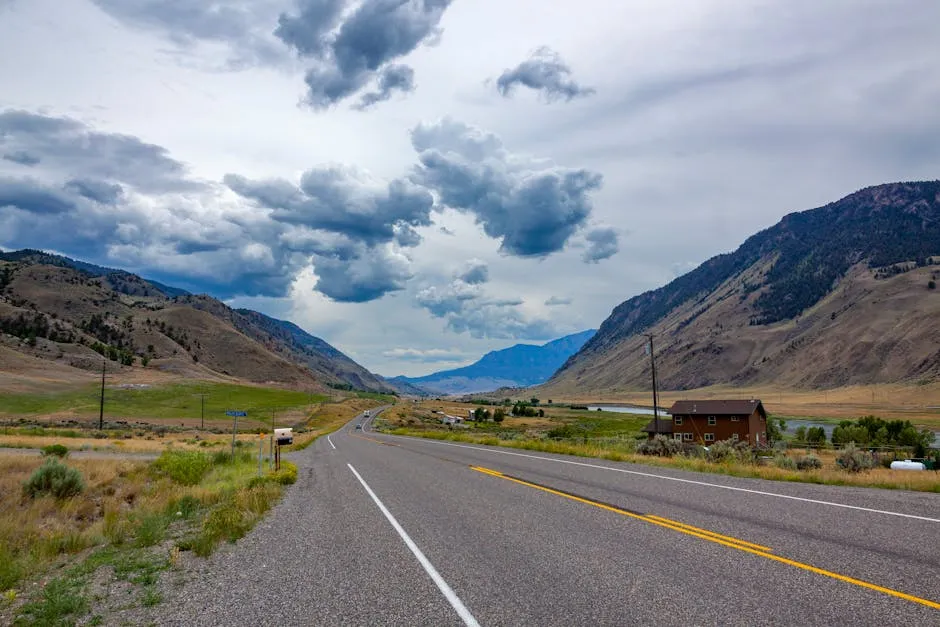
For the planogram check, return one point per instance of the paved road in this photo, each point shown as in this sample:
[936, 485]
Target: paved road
[382, 530]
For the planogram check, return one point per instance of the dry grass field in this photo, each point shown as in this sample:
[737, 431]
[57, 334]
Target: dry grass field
[919, 403]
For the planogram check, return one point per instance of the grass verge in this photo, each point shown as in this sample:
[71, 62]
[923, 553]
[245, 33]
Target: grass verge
[925, 481]
[111, 542]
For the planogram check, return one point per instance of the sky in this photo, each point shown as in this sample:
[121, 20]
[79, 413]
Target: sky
[421, 181]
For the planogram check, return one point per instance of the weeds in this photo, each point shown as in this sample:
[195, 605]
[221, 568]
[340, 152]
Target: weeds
[184, 467]
[60, 600]
[55, 450]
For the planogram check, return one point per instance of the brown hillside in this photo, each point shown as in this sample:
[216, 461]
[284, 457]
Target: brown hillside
[53, 313]
[866, 331]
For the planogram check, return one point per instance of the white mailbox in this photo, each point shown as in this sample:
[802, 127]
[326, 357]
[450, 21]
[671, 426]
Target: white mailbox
[284, 436]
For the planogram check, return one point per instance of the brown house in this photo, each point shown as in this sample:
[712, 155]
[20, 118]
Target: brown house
[706, 422]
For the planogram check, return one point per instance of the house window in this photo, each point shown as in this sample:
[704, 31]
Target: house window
[677, 436]
[734, 436]
[735, 419]
[709, 437]
[711, 420]
[678, 420]
[687, 437]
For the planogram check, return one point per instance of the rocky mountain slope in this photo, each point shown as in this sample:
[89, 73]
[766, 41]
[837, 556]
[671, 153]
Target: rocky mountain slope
[71, 313]
[521, 365]
[840, 295]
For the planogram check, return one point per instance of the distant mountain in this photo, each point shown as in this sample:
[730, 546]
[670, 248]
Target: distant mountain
[403, 386]
[839, 295]
[521, 365]
[68, 311]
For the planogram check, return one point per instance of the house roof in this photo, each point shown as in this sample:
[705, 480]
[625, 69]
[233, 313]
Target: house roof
[718, 407]
[665, 426]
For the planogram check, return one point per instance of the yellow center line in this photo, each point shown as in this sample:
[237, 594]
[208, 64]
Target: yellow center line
[715, 534]
[727, 541]
[362, 437]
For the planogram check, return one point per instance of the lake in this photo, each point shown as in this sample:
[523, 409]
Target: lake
[620, 409]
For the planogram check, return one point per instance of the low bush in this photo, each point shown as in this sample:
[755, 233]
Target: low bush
[660, 446]
[185, 467]
[808, 462]
[55, 450]
[10, 569]
[787, 463]
[852, 459]
[54, 478]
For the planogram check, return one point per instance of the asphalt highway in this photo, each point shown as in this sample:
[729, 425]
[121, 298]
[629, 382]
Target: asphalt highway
[383, 530]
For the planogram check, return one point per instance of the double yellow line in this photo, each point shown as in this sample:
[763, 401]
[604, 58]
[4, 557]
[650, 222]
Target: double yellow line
[711, 536]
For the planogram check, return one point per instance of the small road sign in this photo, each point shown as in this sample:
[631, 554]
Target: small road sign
[240, 414]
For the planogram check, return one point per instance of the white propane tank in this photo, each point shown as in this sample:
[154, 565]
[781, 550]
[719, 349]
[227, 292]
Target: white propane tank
[907, 465]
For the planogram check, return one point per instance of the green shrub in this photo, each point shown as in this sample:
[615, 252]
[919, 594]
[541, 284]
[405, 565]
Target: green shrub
[852, 459]
[185, 467]
[808, 462]
[660, 446]
[787, 463]
[54, 450]
[54, 478]
[729, 451]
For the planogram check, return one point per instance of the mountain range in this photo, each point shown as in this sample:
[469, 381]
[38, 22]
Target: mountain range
[70, 312]
[522, 365]
[839, 295]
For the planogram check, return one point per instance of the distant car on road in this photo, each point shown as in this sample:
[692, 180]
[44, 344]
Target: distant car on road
[366, 413]
[359, 426]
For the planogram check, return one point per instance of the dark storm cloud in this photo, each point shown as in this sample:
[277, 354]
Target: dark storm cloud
[242, 25]
[603, 243]
[99, 191]
[31, 196]
[340, 200]
[531, 206]
[370, 276]
[346, 222]
[307, 31]
[21, 157]
[370, 38]
[393, 78]
[72, 148]
[545, 73]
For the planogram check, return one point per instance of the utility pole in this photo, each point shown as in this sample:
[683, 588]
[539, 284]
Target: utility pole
[655, 394]
[104, 365]
[202, 422]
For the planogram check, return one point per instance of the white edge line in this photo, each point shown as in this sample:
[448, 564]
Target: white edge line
[445, 589]
[331, 442]
[692, 481]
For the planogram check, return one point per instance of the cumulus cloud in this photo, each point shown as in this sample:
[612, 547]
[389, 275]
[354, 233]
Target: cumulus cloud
[545, 73]
[343, 200]
[122, 201]
[243, 27]
[603, 243]
[555, 301]
[349, 51]
[477, 272]
[68, 147]
[465, 307]
[533, 207]
[393, 78]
